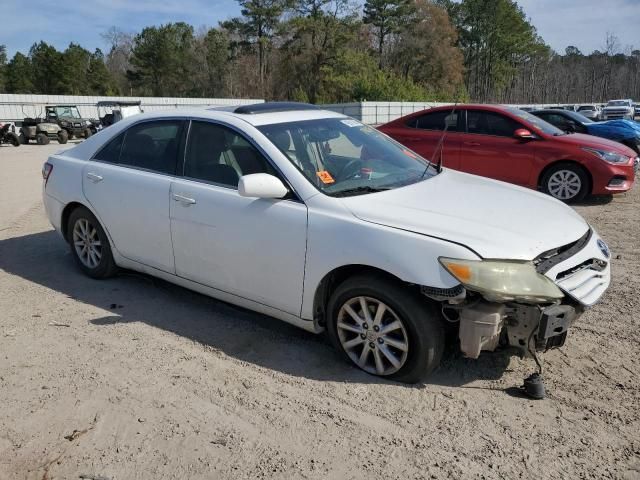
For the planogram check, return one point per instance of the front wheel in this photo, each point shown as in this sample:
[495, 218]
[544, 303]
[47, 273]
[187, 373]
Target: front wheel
[42, 139]
[63, 137]
[89, 244]
[385, 329]
[566, 181]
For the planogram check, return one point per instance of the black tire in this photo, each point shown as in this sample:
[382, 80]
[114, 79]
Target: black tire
[13, 139]
[106, 267]
[63, 137]
[23, 139]
[633, 146]
[42, 139]
[572, 171]
[87, 133]
[421, 321]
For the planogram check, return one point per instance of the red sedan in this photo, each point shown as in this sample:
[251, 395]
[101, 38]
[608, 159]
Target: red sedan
[514, 146]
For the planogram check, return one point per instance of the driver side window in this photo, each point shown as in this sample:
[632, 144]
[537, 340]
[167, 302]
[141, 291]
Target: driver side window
[483, 122]
[220, 155]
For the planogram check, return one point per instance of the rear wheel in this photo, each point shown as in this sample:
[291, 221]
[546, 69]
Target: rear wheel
[87, 133]
[89, 244]
[13, 139]
[42, 139]
[566, 181]
[385, 329]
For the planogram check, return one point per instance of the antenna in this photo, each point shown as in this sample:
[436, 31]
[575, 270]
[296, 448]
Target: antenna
[440, 144]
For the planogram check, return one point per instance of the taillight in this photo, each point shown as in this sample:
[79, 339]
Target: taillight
[47, 168]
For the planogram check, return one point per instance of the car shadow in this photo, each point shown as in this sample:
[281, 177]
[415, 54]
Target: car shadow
[594, 200]
[43, 258]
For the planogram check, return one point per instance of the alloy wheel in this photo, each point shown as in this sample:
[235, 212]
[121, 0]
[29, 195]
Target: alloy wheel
[564, 184]
[372, 335]
[87, 243]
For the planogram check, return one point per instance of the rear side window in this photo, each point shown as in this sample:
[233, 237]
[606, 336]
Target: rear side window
[111, 152]
[152, 146]
[436, 121]
[490, 123]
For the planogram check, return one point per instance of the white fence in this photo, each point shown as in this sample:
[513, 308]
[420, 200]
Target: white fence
[15, 107]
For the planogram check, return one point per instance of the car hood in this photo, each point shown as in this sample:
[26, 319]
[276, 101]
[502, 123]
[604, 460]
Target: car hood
[615, 129]
[583, 140]
[494, 219]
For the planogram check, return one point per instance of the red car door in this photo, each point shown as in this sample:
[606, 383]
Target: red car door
[490, 149]
[422, 134]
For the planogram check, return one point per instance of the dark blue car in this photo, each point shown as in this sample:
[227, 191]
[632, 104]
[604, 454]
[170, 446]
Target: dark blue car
[626, 132]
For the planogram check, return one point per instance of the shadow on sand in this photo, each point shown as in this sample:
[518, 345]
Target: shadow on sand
[43, 258]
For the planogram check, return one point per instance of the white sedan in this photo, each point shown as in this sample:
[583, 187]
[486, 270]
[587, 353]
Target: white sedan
[318, 220]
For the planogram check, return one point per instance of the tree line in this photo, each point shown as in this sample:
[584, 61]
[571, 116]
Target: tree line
[326, 51]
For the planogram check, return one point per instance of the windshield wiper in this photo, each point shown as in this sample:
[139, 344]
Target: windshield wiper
[359, 191]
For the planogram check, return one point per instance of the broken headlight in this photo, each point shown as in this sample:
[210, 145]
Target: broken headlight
[502, 281]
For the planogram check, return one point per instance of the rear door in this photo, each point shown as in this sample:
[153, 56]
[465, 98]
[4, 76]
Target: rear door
[489, 148]
[128, 184]
[423, 133]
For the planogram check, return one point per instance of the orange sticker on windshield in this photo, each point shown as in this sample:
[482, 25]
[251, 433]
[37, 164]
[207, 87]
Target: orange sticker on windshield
[409, 154]
[325, 177]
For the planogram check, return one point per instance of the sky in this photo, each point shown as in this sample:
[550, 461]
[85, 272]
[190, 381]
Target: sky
[582, 23]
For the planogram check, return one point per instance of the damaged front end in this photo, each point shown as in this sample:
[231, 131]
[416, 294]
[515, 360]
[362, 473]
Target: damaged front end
[526, 305]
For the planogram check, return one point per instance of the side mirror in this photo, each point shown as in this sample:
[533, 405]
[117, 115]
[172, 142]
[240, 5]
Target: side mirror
[261, 185]
[523, 134]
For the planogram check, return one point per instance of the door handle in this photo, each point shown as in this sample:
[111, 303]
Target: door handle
[186, 201]
[472, 144]
[95, 178]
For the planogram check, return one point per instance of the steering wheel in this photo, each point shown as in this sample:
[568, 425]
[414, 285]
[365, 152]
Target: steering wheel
[351, 169]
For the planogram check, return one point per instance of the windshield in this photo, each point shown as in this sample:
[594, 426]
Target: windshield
[618, 103]
[583, 108]
[578, 117]
[540, 124]
[343, 157]
[67, 112]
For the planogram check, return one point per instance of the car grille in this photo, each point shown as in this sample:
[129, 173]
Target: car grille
[581, 269]
[585, 284]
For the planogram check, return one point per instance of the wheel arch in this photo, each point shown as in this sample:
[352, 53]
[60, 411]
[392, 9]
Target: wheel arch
[570, 162]
[338, 275]
[66, 213]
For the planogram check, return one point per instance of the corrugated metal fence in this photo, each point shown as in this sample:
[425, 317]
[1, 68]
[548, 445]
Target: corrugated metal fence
[15, 107]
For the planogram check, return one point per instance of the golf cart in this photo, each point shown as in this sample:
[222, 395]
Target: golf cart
[41, 131]
[68, 118]
[116, 110]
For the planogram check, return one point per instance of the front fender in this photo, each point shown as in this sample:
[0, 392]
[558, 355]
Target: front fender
[337, 239]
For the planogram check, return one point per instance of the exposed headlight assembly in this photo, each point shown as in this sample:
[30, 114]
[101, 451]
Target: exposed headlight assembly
[610, 157]
[502, 281]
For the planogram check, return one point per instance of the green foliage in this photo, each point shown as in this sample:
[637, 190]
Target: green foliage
[3, 67]
[387, 17]
[20, 75]
[357, 78]
[161, 59]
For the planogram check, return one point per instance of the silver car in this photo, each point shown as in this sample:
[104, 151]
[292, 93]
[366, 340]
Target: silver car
[592, 112]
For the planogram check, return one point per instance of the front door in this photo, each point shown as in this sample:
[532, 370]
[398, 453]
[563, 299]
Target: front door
[490, 149]
[127, 184]
[250, 247]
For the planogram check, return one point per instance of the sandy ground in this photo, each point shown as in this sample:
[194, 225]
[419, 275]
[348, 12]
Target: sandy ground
[134, 378]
